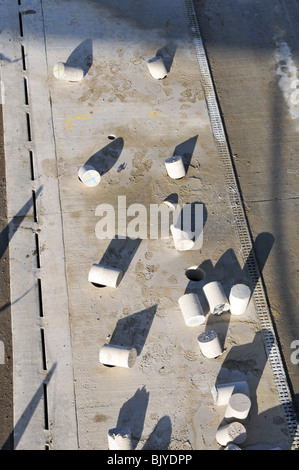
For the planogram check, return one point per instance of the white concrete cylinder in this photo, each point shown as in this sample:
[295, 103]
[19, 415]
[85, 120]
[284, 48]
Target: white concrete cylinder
[216, 298]
[157, 67]
[181, 238]
[104, 276]
[209, 344]
[114, 355]
[222, 392]
[238, 407]
[232, 433]
[89, 176]
[120, 439]
[175, 167]
[239, 298]
[192, 310]
[68, 73]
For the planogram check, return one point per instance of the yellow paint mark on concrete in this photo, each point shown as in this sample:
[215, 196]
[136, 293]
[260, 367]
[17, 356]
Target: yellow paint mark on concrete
[69, 121]
[154, 113]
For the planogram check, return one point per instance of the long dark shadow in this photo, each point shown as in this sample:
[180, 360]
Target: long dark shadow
[132, 331]
[13, 225]
[132, 414]
[106, 158]
[82, 56]
[167, 52]
[24, 420]
[9, 304]
[186, 150]
[160, 438]
[120, 253]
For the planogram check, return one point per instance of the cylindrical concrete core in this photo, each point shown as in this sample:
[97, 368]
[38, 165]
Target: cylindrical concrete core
[232, 433]
[120, 439]
[239, 299]
[68, 73]
[89, 175]
[157, 67]
[181, 238]
[175, 167]
[238, 407]
[209, 344]
[104, 276]
[191, 309]
[216, 298]
[222, 392]
[114, 355]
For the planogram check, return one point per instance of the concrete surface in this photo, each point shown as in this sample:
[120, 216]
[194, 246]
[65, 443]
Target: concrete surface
[63, 397]
[253, 52]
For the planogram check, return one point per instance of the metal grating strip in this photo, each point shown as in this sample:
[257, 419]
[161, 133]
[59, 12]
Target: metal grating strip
[259, 297]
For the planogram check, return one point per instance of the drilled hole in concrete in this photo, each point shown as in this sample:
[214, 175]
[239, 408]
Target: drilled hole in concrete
[111, 137]
[194, 273]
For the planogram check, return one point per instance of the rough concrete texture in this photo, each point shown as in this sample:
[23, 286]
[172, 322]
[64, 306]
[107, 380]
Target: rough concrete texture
[253, 52]
[166, 397]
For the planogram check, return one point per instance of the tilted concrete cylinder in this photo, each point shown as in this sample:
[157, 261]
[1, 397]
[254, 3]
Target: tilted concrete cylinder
[216, 298]
[114, 355]
[68, 73]
[192, 310]
[157, 67]
[239, 298]
[209, 344]
[238, 407]
[175, 167]
[181, 239]
[120, 439]
[232, 433]
[222, 392]
[89, 175]
[104, 276]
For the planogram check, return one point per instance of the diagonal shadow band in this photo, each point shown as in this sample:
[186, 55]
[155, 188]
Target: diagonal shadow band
[13, 225]
[132, 331]
[22, 423]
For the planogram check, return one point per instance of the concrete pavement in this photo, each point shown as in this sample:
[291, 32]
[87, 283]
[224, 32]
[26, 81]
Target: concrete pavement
[129, 123]
[252, 48]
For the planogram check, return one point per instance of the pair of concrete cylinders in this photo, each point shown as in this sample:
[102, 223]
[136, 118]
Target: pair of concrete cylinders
[218, 303]
[115, 355]
[104, 276]
[69, 73]
[222, 393]
[120, 439]
[157, 68]
[89, 176]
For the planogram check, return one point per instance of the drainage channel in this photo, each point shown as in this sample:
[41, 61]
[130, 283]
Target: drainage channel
[36, 228]
[44, 416]
[259, 296]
